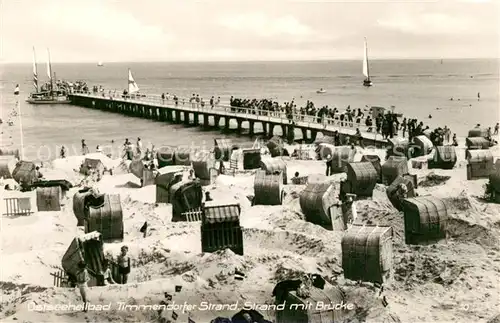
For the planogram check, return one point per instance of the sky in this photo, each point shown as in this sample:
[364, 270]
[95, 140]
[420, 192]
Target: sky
[241, 30]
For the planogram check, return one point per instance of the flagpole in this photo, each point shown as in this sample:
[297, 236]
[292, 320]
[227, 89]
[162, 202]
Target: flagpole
[18, 103]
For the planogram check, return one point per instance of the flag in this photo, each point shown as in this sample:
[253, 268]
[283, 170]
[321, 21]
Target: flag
[174, 316]
[384, 302]
[144, 227]
[35, 74]
[132, 86]
[168, 297]
[238, 275]
[178, 288]
[16, 91]
[190, 320]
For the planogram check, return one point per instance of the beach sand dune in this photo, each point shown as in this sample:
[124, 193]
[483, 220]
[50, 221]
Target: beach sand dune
[455, 280]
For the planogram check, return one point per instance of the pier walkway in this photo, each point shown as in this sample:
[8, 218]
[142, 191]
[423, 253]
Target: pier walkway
[189, 113]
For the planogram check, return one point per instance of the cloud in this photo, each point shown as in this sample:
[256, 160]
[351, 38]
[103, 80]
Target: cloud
[429, 23]
[95, 19]
[265, 26]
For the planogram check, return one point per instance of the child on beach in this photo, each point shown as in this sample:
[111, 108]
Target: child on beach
[123, 265]
[106, 275]
[82, 278]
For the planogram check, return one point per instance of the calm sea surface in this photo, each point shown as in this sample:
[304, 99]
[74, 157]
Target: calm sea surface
[416, 87]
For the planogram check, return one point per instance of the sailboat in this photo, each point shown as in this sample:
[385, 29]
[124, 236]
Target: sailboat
[366, 68]
[100, 63]
[132, 85]
[48, 93]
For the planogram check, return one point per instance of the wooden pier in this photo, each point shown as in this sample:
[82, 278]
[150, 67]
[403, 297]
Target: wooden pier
[189, 113]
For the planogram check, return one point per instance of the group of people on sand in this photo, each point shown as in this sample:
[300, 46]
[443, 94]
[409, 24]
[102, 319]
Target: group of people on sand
[104, 278]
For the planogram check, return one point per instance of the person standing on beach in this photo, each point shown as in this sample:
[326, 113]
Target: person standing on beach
[82, 278]
[129, 154]
[447, 133]
[455, 142]
[62, 153]
[139, 147]
[123, 265]
[478, 96]
[328, 165]
[403, 126]
[85, 149]
[496, 129]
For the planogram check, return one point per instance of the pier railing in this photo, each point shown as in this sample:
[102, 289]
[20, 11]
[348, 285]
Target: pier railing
[302, 120]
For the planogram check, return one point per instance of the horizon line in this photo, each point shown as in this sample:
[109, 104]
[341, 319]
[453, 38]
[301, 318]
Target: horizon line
[259, 61]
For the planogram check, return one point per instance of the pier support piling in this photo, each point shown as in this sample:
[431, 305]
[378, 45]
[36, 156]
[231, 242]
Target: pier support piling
[271, 130]
[251, 129]
[284, 129]
[240, 123]
[206, 121]
[290, 133]
[314, 133]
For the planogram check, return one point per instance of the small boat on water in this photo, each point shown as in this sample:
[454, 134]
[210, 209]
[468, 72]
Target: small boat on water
[320, 91]
[48, 97]
[366, 68]
[47, 93]
[100, 63]
[133, 89]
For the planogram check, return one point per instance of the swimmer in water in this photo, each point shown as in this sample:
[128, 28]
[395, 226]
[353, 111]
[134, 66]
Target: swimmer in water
[430, 116]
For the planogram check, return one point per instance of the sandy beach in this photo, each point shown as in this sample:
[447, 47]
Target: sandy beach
[455, 280]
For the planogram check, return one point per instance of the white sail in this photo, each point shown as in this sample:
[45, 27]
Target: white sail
[49, 70]
[100, 63]
[35, 74]
[132, 86]
[365, 62]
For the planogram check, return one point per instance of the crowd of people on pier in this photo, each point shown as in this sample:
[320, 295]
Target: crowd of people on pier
[388, 124]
